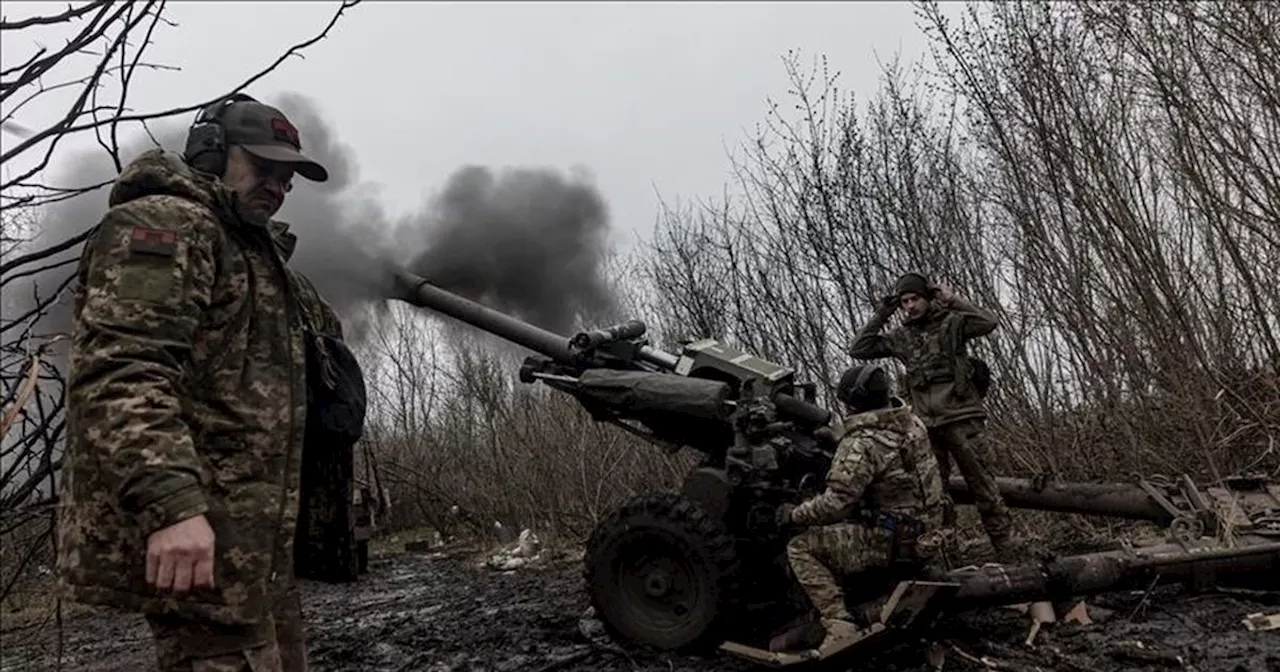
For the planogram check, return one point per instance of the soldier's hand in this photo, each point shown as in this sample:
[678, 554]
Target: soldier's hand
[888, 304]
[943, 293]
[783, 517]
[180, 557]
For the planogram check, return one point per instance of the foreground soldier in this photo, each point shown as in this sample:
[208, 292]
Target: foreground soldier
[883, 477]
[931, 343]
[187, 400]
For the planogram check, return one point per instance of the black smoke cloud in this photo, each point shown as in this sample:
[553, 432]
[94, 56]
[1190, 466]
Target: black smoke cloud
[526, 242]
[529, 242]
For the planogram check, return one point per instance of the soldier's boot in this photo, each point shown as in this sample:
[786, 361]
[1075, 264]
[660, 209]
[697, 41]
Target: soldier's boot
[840, 634]
[868, 613]
[948, 514]
[806, 635]
[1010, 550]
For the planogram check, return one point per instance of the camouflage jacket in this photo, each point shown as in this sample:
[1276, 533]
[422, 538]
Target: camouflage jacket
[186, 395]
[884, 463]
[318, 312]
[934, 350]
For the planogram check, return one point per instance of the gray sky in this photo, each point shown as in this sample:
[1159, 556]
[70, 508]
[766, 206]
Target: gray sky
[646, 96]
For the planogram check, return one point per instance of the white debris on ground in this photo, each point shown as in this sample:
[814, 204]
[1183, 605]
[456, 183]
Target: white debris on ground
[591, 627]
[525, 551]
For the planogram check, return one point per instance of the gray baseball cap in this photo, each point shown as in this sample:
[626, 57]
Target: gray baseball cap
[265, 132]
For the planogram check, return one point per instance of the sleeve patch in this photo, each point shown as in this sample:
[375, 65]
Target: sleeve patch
[159, 242]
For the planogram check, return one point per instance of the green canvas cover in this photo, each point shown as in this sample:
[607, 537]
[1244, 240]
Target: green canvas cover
[643, 392]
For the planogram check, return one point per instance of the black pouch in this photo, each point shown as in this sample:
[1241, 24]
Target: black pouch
[981, 377]
[336, 394]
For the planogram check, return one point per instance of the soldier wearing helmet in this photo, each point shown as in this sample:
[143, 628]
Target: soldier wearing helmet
[883, 492]
[946, 386]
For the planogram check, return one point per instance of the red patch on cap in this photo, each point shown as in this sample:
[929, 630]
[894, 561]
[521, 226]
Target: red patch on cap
[285, 132]
[146, 240]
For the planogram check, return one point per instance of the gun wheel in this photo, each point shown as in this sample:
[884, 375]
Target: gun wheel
[659, 572]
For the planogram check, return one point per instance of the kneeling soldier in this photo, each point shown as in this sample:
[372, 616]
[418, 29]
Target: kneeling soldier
[883, 490]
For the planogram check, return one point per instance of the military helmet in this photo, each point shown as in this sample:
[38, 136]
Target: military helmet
[862, 384]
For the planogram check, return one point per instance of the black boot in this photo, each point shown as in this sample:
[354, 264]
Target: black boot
[1010, 550]
[807, 635]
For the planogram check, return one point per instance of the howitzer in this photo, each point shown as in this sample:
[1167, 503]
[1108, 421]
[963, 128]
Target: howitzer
[698, 567]
[672, 569]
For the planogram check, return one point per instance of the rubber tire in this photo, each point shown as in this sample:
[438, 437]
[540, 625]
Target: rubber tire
[701, 540]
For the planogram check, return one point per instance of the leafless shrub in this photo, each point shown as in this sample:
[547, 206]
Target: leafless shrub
[1100, 174]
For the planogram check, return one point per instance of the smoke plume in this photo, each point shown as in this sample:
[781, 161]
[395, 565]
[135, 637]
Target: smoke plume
[530, 242]
[522, 242]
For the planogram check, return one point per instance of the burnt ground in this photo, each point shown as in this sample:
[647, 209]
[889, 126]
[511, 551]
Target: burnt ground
[439, 613]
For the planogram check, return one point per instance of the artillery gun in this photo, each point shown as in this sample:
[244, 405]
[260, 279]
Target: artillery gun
[670, 569]
[689, 570]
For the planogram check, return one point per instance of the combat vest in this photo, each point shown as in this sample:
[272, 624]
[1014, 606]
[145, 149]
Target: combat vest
[937, 355]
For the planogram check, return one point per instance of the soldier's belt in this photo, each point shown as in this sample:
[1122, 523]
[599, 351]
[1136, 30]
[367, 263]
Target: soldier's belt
[903, 527]
[934, 378]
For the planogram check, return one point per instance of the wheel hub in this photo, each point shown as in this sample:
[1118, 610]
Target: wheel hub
[655, 568]
[657, 583]
[657, 590]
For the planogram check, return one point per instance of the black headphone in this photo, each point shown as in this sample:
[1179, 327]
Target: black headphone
[207, 138]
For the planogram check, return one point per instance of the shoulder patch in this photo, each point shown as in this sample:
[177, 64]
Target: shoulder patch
[146, 240]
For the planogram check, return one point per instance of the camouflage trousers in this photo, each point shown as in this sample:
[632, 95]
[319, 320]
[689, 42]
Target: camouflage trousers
[966, 441]
[185, 645]
[820, 558]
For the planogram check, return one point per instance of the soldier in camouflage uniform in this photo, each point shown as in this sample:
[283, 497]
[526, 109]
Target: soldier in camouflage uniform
[186, 401]
[883, 494]
[931, 343]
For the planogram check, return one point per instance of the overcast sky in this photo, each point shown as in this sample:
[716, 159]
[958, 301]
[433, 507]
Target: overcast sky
[646, 96]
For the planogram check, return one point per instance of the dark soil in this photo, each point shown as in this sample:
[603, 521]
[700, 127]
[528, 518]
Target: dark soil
[439, 613]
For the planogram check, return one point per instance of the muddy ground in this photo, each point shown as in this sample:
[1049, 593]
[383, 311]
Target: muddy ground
[438, 612]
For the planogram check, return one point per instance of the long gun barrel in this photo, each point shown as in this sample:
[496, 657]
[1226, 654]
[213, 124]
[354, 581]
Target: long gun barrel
[420, 292]
[620, 377]
[1081, 575]
[1117, 500]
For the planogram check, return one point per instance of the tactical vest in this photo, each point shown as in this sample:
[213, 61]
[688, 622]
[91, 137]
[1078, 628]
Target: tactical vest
[937, 356]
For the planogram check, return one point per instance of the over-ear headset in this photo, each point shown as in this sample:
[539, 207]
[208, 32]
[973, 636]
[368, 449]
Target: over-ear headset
[207, 138]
